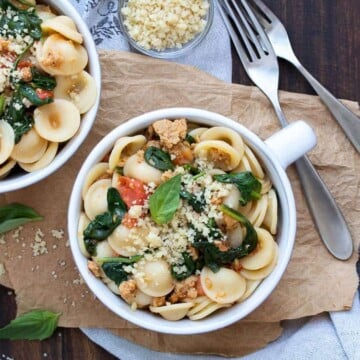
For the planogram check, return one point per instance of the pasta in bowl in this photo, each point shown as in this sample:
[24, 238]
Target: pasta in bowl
[179, 217]
[49, 88]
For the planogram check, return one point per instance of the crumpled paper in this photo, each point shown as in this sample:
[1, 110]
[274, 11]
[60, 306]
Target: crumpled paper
[314, 281]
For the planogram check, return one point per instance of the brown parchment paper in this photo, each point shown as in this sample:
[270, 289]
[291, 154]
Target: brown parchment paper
[314, 281]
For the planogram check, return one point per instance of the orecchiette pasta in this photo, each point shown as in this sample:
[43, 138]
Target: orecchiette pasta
[125, 147]
[154, 278]
[30, 148]
[182, 226]
[96, 172]
[95, 202]
[31, 97]
[45, 160]
[228, 135]
[58, 121]
[223, 155]
[60, 56]
[140, 170]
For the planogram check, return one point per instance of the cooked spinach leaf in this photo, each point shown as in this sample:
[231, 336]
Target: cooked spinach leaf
[28, 92]
[197, 204]
[15, 215]
[104, 224]
[246, 182]
[120, 260]
[165, 200]
[33, 325]
[158, 158]
[214, 258]
[115, 271]
[114, 267]
[2, 104]
[26, 22]
[191, 169]
[42, 81]
[190, 265]
[190, 139]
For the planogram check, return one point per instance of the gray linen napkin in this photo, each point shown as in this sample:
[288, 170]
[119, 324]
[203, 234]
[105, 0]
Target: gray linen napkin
[330, 336]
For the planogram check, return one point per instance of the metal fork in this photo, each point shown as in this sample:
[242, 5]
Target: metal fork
[260, 63]
[280, 41]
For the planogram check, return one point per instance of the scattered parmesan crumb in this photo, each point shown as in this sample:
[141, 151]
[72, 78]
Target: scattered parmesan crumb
[39, 244]
[58, 234]
[16, 233]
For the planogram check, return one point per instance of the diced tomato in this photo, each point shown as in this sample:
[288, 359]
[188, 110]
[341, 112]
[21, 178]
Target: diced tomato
[128, 221]
[132, 191]
[44, 94]
[24, 64]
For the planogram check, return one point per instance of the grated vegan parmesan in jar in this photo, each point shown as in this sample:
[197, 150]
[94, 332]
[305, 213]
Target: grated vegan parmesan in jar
[162, 24]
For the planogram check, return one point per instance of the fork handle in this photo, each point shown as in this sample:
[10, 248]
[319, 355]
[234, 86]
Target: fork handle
[349, 122]
[325, 213]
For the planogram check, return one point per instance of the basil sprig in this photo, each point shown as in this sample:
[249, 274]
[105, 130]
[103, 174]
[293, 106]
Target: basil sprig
[104, 224]
[33, 325]
[246, 182]
[15, 215]
[159, 159]
[165, 200]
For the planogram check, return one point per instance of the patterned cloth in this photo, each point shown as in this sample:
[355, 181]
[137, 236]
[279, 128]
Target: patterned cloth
[328, 336]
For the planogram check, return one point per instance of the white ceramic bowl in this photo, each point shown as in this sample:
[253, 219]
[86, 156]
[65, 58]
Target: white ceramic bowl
[275, 153]
[21, 179]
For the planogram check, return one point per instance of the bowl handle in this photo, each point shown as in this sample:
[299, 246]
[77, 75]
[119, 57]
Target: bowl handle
[292, 142]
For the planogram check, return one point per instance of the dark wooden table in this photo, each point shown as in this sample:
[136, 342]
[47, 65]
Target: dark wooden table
[326, 38]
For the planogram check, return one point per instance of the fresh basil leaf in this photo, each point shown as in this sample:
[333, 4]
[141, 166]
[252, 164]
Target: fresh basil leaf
[197, 204]
[246, 182]
[190, 265]
[15, 215]
[26, 91]
[115, 271]
[165, 200]
[158, 158]
[33, 325]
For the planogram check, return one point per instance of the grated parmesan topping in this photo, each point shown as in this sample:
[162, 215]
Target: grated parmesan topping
[170, 240]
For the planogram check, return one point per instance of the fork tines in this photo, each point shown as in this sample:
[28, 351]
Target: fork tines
[245, 30]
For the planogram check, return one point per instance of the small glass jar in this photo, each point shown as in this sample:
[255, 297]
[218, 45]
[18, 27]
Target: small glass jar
[168, 53]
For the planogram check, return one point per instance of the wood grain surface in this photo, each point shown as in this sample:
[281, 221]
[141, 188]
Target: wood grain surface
[326, 37]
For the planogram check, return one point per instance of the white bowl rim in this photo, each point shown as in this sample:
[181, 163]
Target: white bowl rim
[87, 120]
[142, 318]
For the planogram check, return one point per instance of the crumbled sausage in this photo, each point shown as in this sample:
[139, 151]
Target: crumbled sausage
[158, 301]
[53, 59]
[127, 290]
[94, 268]
[26, 74]
[182, 153]
[186, 289]
[236, 265]
[170, 132]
